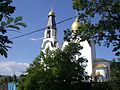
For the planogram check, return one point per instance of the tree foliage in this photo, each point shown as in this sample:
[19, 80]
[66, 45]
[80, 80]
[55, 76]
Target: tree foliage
[55, 70]
[7, 23]
[106, 28]
[115, 71]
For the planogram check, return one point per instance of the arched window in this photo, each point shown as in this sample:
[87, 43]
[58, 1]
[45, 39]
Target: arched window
[48, 27]
[55, 34]
[48, 34]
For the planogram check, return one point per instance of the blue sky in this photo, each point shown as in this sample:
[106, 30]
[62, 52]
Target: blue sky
[35, 14]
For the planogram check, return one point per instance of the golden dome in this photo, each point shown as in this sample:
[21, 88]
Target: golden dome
[100, 66]
[76, 25]
[51, 13]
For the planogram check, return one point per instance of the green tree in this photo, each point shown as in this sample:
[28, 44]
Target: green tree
[115, 71]
[106, 28]
[7, 23]
[56, 70]
[114, 80]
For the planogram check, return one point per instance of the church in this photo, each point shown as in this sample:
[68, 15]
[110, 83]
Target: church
[99, 70]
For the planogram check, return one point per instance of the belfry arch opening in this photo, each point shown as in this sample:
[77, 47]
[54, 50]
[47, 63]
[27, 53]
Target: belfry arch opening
[48, 34]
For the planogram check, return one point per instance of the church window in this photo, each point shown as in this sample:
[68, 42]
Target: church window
[48, 34]
[48, 27]
[55, 34]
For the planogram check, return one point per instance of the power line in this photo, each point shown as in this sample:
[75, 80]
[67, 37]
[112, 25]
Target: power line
[41, 28]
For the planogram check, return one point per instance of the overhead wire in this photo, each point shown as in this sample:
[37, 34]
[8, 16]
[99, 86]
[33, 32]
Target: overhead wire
[42, 28]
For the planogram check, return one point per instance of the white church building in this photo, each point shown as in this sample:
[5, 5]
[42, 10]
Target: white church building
[98, 70]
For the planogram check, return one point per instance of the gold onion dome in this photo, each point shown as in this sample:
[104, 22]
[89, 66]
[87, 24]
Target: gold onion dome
[76, 25]
[51, 13]
[100, 66]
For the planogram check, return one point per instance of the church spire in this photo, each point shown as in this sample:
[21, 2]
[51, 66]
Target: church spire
[50, 33]
[51, 20]
[51, 13]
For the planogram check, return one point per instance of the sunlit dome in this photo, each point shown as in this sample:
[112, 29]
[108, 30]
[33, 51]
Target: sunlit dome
[100, 66]
[76, 25]
[51, 13]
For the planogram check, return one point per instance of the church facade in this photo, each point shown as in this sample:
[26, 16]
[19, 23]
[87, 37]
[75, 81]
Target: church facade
[99, 71]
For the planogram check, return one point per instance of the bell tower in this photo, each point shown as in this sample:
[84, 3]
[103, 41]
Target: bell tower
[50, 34]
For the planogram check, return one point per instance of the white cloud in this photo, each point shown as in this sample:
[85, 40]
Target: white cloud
[11, 67]
[36, 39]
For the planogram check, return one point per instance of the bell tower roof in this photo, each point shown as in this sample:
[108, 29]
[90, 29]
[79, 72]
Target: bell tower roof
[51, 13]
[51, 20]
